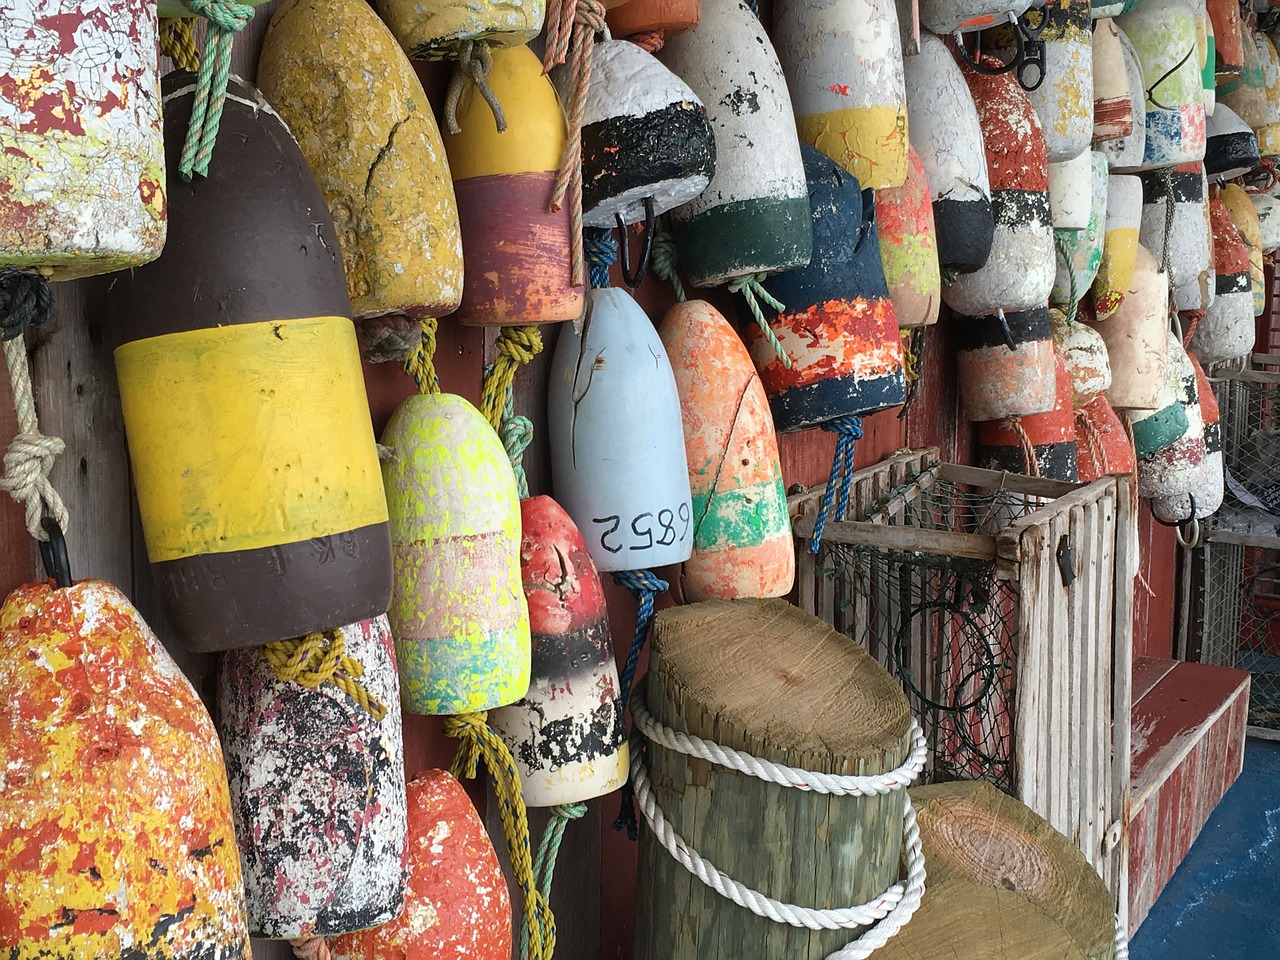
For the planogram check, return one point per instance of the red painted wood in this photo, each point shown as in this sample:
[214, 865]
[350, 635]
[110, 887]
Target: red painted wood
[1155, 593]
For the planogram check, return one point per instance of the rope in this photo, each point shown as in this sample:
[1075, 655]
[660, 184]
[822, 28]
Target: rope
[226, 19]
[1190, 320]
[311, 948]
[516, 346]
[544, 864]
[26, 301]
[651, 42]
[479, 742]
[517, 434]
[1097, 450]
[421, 363]
[910, 358]
[320, 658]
[1024, 443]
[602, 252]
[1122, 941]
[848, 431]
[178, 42]
[475, 62]
[750, 288]
[1166, 178]
[755, 7]
[663, 257]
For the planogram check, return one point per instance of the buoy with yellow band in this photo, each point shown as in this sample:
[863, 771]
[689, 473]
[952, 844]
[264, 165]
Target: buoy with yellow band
[517, 265]
[665, 18]
[1103, 447]
[1126, 152]
[1063, 95]
[1160, 424]
[1079, 252]
[1231, 148]
[1084, 352]
[1227, 330]
[312, 740]
[445, 29]
[909, 247]
[115, 820]
[843, 63]
[1245, 217]
[458, 611]
[1041, 445]
[1197, 457]
[244, 402]
[1120, 244]
[1113, 108]
[1135, 336]
[82, 169]
[1004, 365]
[372, 142]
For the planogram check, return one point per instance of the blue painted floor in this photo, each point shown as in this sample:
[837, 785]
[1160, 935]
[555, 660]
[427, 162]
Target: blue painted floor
[1222, 903]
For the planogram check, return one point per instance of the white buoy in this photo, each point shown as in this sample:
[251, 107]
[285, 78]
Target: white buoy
[942, 17]
[1174, 209]
[1085, 354]
[1268, 208]
[1204, 472]
[1227, 330]
[1070, 192]
[1126, 152]
[1168, 471]
[1113, 108]
[1135, 337]
[1063, 100]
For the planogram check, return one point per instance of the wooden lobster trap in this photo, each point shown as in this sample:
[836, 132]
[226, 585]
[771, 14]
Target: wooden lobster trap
[1003, 604]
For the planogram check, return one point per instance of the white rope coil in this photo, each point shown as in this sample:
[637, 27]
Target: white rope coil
[1122, 940]
[30, 455]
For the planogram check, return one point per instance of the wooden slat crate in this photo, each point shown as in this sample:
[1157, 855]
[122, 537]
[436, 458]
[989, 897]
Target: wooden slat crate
[1035, 627]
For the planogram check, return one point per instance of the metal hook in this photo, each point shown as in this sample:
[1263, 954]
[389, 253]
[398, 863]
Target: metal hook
[974, 64]
[646, 246]
[53, 553]
[1193, 540]
[1031, 51]
[1005, 330]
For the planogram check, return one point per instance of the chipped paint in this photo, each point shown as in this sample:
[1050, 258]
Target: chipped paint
[1113, 113]
[1103, 444]
[1120, 244]
[1085, 354]
[1052, 435]
[1125, 153]
[1245, 216]
[1169, 470]
[1135, 336]
[909, 247]
[1203, 472]
[1079, 252]
[1163, 422]
[996, 382]
[1227, 330]
[1064, 99]
[437, 29]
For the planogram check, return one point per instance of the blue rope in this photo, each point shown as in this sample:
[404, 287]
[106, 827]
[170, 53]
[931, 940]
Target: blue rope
[755, 7]
[602, 252]
[848, 431]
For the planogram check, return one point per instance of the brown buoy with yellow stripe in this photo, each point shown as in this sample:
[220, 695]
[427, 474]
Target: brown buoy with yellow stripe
[244, 401]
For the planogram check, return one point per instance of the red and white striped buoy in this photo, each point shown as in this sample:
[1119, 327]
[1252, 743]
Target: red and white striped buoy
[1198, 458]
[1042, 444]
[1103, 447]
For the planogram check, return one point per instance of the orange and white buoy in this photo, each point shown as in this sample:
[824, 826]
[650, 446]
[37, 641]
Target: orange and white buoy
[1084, 352]
[1004, 364]
[1042, 444]
[1227, 330]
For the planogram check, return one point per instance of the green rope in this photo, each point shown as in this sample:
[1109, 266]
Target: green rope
[226, 19]
[1060, 244]
[517, 434]
[750, 288]
[544, 864]
[663, 258]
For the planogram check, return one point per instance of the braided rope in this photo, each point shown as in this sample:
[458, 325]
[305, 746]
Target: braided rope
[750, 288]
[480, 742]
[178, 42]
[1025, 445]
[1073, 303]
[421, 363]
[664, 257]
[516, 346]
[311, 948]
[544, 864]
[516, 434]
[848, 431]
[475, 63]
[1093, 439]
[650, 41]
[910, 358]
[602, 253]
[320, 658]
[226, 19]
[1122, 941]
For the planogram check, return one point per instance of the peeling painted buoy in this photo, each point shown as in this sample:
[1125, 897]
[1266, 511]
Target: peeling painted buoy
[115, 821]
[1113, 109]
[1245, 217]
[1103, 447]
[947, 16]
[668, 17]
[1079, 252]
[617, 448]
[1269, 132]
[566, 734]
[458, 612]
[1042, 444]
[1085, 353]
[1208, 78]
[1227, 330]
[1109, 9]
[1247, 93]
[244, 401]
[742, 545]
[843, 63]
[840, 328]
[1070, 192]
[1162, 422]
[456, 899]
[515, 249]
[1198, 457]
[1063, 100]
[1173, 212]
[1231, 148]
[1135, 336]
[1120, 245]
[1167, 470]
[909, 247]
[1227, 36]
[754, 216]
[82, 169]
[1126, 152]
[371, 140]
[317, 787]
[997, 382]
[441, 29]
[1268, 208]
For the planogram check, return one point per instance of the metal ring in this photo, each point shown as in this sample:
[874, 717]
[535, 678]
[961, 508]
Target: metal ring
[1193, 540]
[53, 553]
[973, 64]
[646, 247]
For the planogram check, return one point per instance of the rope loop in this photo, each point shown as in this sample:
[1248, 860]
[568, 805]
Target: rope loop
[320, 658]
[226, 19]
[475, 63]
[602, 253]
[544, 864]
[1086, 428]
[1073, 302]
[178, 42]
[516, 346]
[420, 364]
[1028, 449]
[664, 258]
[752, 291]
[25, 301]
[848, 431]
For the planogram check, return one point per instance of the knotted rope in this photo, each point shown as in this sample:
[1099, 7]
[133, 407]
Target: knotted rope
[1093, 440]
[516, 346]
[226, 19]
[651, 41]
[517, 434]
[26, 301]
[751, 288]
[320, 658]
[544, 864]
[178, 42]
[475, 63]
[311, 948]
[421, 363]
[664, 257]
[479, 742]
[848, 431]
[910, 356]
[602, 253]
[1190, 320]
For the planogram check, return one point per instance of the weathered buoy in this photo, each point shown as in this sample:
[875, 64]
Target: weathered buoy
[1166, 462]
[946, 133]
[1227, 36]
[1268, 208]
[1200, 460]
[1120, 245]
[1245, 217]
[1135, 336]
[909, 247]
[317, 782]
[1126, 152]
[843, 63]
[742, 544]
[1173, 214]
[1208, 78]
[1079, 252]
[1070, 192]
[82, 170]
[566, 734]
[1231, 148]
[1103, 447]
[1042, 444]
[1063, 99]
[115, 821]
[442, 30]
[516, 252]
[1197, 292]
[371, 140]
[244, 402]
[1227, 330]
[1085, 354]
[1269, 133]
[1109, 9]
[1018, 274]
[1246, 94]
[456, 899]
[943, 17]
[840, 329]
[1113, 109]
[754, 216]
[617, 448]
[1163, 421]
[458, 611]
[667, 17]
[997, 382]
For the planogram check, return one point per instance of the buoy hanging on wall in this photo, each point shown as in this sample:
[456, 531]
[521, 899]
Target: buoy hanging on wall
[1079, 252]
[943, 17]
[1247, 93]
[1173, 213]
[1268, 208]
[1198, 293]
[1166, 463]
[1208, 80]
[515, 249]
[115, 821]
[909, 247]
[1103, 447]
[840, 329]
[1269, 132]
[1120, 244]
[946, 133]
[1042, 444]
[754, 216]
[317, 783]
[370, 138]
[1227, 36]
[1227, 330]
[666, 17]
[1084, 352]
[1126, 152]
[617, 448]
[82, 171]
[1107, 9]
[1199, 458]
[244, 402]
[1245, 217]
[1135, 336]
[1113, 109]
[1162, 422]
[442, 30]
[566, 734]
[742, 544]
[1063, 99]
[1070, 192]
[843, 63]
[1231, 148]
[996, 380]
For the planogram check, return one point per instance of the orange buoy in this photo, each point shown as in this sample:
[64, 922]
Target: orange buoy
[115, 821]
[1042, 445]
[666, 17]
[1228, 33]
[909, 247]
[1249, 225]
[1004, 364]
[1103, 447]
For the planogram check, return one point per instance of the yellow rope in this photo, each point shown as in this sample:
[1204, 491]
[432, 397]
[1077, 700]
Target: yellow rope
[421, 363]
[178, 42]
[321, 658]
[516, 346]
[478, 741]
[910, 360]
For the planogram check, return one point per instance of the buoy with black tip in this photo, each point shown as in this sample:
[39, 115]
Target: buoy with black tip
[1173, 222]
[1120, 244]
[1113, 108]
[1231, 148]
[1004, 364]
[663, 18]
[1126, 152]
[1245, 217]
[1227, 330]
[1199, 457]
[446, 29]
[1160, 424]
[244, 402]
[1084, 352]
[1040, 445]
[1135, 336]
[1062, 95]
[1079, 252]
[1103, 447]
[909, 247]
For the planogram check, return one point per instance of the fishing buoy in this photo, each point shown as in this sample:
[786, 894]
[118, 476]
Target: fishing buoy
[909, 247]
[1231, 149]
[1070, 192]
[1247, 93]
[1005, 373]
[1208, 77]
[115, 821]
[1120, 244]
[566, 734]
[1227, 36]
[1269, 133]
[82, 170]
[1109, 9]
[1103, 447]
[244, 403]
[1135, 336]
[1079, 252]
[1018, 274]
[1245, 217]
[371, 141]
[458, 611]
[843, 63]
[839, 328]
[1227, 330]
[944, 17]
[516, 252]
[1197, 292]
[1199, 458]
[1113, 109]
[317, 781]
[443, 30]
[1042, 444]
[1163, 421]
[1063, 99]
[617, 448]
[666, 17]
[946, 133]
[1268, 208]
[1167, 469]
[1173, 213]
[1084, 352]
[456, 899]
[1126, 152]
[742, 544]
